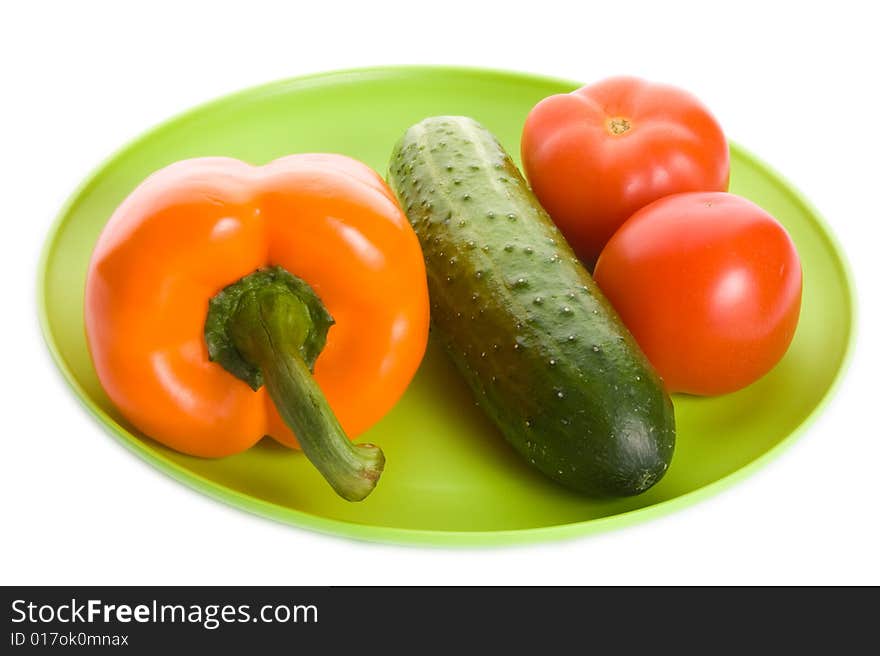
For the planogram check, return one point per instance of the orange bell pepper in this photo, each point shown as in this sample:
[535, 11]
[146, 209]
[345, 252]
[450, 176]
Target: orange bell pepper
[214, 277]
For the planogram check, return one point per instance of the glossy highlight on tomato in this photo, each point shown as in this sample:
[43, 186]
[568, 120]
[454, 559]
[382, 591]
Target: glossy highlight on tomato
[596, 155]
[710, 286]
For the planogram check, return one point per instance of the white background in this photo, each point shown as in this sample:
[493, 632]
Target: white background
[795, 83]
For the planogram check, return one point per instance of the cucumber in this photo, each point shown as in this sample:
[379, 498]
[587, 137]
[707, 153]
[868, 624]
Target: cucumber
[542, 350]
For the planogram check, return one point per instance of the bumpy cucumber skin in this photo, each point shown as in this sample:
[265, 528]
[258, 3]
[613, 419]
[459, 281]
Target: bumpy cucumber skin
[542, 350]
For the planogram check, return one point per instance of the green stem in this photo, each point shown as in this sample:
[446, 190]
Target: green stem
[270, 327]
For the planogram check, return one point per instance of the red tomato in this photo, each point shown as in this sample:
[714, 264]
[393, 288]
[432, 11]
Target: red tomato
[709, 284]
[598, 154]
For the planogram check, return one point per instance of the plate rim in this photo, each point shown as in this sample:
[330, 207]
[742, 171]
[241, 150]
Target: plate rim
[391, 534]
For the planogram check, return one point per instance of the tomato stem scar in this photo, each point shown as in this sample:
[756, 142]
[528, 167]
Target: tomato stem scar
[618, 125]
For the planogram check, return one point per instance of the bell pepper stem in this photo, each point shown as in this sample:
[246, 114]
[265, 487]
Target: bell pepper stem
[351, 469]
[269, 328]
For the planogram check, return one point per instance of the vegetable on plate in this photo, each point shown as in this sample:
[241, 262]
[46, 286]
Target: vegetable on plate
[710, 286]
[540, 347]
[226, 302]
[596, 155]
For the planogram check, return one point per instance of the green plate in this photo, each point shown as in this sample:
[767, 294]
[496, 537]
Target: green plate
[450, 478]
